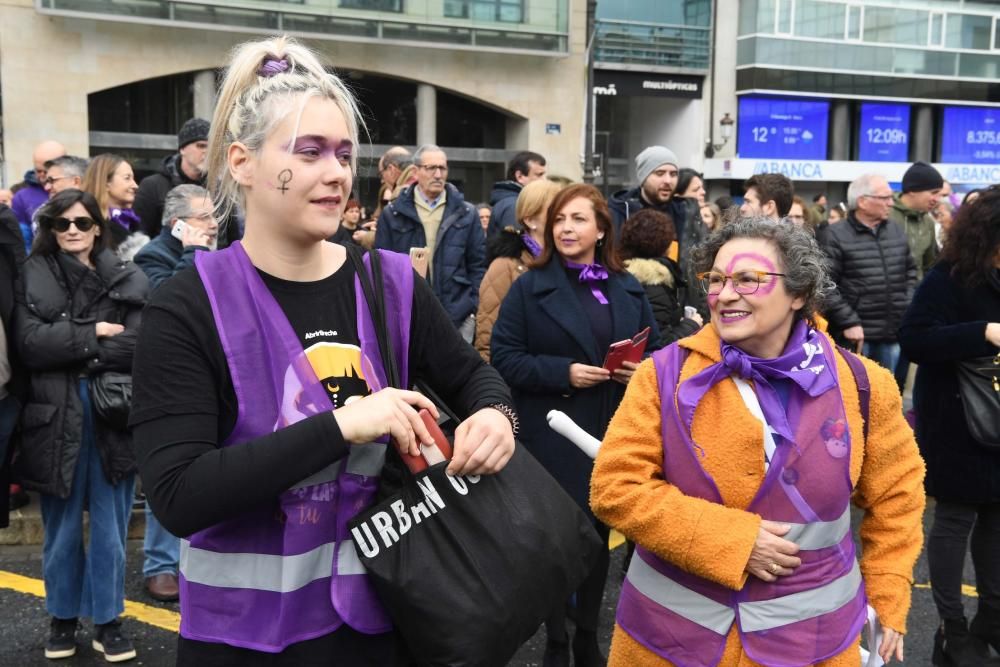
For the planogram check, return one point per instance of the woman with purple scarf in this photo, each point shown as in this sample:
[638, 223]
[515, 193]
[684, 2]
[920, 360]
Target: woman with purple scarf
[549, 344]
[732, 463]
[261, 411]
[510, 253]
[110, 179]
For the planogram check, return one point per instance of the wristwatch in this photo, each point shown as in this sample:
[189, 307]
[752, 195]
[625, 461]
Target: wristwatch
[510, 414]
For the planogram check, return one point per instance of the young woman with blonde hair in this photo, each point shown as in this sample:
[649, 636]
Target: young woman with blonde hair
[259, 438]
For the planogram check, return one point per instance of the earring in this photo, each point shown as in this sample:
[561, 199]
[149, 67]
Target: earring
[600, 242]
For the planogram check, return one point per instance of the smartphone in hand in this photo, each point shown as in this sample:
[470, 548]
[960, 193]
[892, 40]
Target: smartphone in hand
[418, 258]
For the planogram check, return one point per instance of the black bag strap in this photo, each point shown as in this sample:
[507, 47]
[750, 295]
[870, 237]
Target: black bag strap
[864, 386]
[376, 307]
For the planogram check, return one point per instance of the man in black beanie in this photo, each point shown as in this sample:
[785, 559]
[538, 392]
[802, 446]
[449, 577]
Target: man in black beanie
[912, 208]
[188, 166]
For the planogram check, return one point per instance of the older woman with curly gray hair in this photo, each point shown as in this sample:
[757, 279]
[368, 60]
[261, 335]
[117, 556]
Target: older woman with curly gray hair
[732, 462]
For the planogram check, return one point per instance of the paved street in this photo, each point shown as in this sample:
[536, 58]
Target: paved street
[24, 625]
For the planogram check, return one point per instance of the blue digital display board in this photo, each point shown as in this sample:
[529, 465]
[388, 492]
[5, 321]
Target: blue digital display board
[782, 129]
[970, 135]
[884, 133]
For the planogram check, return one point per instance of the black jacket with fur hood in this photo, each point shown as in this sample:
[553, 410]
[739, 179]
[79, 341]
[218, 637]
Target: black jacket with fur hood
[667, 294]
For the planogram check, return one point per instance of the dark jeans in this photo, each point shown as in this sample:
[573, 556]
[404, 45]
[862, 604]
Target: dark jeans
[589, 595]
[902, 370]
[946, 547]
[9, 409]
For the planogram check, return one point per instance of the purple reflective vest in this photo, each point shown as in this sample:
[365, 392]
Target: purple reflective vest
[276, 576]
[815, 613]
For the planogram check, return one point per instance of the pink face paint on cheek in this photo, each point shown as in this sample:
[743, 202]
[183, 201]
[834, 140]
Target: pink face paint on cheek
[712, 300]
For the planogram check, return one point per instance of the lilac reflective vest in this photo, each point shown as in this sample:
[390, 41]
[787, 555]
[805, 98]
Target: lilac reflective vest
[815, 613]
[276, 576]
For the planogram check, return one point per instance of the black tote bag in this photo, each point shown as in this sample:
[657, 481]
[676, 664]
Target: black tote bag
[469, 567]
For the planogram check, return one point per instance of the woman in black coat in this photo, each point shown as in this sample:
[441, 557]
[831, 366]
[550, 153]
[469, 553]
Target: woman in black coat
[549, 343]
[955, 316]
[78, 311]
[646, 236]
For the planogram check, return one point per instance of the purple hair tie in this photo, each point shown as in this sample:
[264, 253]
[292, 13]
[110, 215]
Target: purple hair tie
[273, 65]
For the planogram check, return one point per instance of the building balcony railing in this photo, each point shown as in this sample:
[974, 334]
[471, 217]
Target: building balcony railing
[652, 45]
[496, 25]
[840, 56]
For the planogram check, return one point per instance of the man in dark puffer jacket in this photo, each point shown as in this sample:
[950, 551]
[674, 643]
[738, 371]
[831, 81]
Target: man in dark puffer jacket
[875, 274]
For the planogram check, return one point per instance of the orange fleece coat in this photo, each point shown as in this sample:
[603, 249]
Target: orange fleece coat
[628, 491]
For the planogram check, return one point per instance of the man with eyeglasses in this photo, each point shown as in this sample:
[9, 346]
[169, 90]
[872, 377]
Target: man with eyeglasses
[433, 216]
[29, 198]
[64, 173]
[187, 208]
[875, 274]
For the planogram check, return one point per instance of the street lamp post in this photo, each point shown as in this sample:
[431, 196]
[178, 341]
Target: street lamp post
[726, 130]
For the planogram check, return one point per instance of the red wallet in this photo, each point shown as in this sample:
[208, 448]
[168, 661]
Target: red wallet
[630, 349]
[430, 454]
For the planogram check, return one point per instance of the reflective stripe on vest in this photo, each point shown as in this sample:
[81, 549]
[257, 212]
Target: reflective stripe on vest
[365, 460]
[766, 614]
[773, 613]
[264, 572]
[820, 534]
[754, 616]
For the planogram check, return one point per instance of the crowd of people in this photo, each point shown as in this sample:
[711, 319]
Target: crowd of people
[157, 330]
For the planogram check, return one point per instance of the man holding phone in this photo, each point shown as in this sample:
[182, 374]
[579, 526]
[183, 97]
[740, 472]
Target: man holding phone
[189, 225]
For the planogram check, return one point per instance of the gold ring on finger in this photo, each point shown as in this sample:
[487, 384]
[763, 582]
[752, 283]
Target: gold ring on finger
[774, 568]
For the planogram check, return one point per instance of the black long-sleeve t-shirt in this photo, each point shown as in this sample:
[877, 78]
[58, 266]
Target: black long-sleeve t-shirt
[184, 404]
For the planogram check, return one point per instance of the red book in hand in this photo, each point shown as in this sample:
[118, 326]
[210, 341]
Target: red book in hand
[630, 349]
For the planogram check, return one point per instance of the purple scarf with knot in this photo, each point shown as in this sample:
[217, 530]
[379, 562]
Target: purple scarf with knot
[531, 244]
[125, 217]
[806, 361]
[592, 275]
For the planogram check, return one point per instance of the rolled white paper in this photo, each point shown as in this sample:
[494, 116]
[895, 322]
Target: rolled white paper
[561, 423]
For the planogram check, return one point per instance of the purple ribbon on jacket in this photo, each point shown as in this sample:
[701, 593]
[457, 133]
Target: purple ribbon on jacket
[592, 274]
[803, 361]
[531, 244]
[125, 217]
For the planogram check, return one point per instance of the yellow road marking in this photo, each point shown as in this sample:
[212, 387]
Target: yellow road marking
[615, 540]
[144, 613]
[967, 590]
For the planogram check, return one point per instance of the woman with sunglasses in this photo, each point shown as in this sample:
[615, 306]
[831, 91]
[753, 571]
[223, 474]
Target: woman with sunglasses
[78, 312]
[732, 463]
